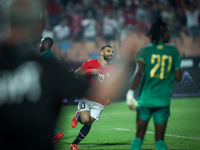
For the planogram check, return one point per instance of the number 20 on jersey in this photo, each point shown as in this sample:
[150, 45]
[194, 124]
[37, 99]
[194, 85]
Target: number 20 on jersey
[159, 62]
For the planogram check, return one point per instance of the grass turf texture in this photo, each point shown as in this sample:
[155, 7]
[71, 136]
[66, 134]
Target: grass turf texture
[183, 129]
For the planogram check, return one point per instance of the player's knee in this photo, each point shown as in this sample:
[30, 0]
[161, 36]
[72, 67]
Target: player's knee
[85, 119]
[91, 121]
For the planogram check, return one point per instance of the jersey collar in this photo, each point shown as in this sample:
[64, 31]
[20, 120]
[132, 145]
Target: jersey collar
[101, 63]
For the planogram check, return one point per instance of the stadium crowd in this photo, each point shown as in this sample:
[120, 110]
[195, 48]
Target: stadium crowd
[80, 27]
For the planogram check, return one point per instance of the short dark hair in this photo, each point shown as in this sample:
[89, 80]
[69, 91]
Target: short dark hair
[50, 41]
[102, 48]
[157, 30]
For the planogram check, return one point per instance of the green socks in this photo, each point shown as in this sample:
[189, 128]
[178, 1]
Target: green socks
[136, 144]
[161, 145]
[56, 131]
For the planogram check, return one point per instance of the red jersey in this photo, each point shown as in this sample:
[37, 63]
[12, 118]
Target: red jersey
[105, 73]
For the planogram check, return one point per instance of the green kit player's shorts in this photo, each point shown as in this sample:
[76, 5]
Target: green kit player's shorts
[160, 114]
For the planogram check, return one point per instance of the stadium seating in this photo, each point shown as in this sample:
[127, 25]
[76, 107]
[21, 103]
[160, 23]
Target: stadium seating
[81, 51]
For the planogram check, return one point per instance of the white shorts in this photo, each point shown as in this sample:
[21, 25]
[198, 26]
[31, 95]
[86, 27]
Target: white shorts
[94, 108]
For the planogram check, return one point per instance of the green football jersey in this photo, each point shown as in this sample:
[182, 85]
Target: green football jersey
[160, 63]
[47, 55]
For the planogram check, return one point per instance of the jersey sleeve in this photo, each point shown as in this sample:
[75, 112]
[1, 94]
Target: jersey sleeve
[140, 55]
[177, 63]
[86, 65]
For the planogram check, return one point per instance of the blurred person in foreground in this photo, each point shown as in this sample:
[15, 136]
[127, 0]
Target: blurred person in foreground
[31, 90]
[160, 64]
[89, 109]
[45, 48]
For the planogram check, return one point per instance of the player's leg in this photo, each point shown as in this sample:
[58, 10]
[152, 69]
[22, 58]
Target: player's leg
[84, 117]
[84, 109]
[160, 119]
[84, 131]
[159, 136]
[141, 129]
[143, 116]
[94, 114]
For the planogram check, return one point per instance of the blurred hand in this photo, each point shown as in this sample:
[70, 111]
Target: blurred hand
[107, 102]
[130, 100]
[95, 71]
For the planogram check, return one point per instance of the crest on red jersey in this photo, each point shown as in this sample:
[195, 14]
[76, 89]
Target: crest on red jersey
[108, 74]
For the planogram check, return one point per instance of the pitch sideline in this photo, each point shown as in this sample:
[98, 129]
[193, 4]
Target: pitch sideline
[178, 136]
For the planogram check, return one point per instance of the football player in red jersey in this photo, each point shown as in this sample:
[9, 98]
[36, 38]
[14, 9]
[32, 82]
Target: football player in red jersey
[89, 109]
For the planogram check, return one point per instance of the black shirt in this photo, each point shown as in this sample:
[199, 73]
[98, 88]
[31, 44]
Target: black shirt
[31, 94]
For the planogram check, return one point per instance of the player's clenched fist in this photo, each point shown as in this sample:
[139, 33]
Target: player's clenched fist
[130, 100]
[95, 71]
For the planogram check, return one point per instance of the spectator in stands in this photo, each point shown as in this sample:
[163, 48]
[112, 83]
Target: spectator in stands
[192, 15]
[109, 27]
[142, 12]
[155, 12]
[168, 14]
[176, 26]
[74, 11]
[69, 7]
[161, 1]
[65, 13]
[62, 34]
[75, 25]
[120, 20]
[107, 7]
[48, 31]
[127, 3]
[129, 16]
[53, 10]
[141, 26]
[99, 12]
[89, 28]
[86, 2]
[89, 8]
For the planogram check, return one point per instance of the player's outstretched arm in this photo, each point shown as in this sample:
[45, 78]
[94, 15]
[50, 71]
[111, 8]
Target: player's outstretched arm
[80, 72]
[130, 100]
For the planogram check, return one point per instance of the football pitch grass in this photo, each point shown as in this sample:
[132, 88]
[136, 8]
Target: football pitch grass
[117, 126]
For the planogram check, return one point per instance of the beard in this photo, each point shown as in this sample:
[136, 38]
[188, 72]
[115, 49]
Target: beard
[42, 49]
[108, 58]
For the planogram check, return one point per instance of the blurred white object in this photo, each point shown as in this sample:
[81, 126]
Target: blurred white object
[130, 100]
